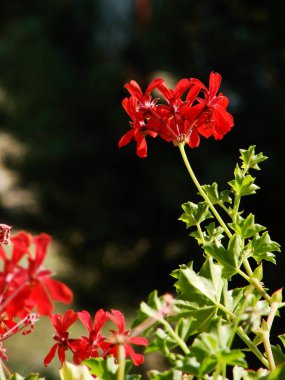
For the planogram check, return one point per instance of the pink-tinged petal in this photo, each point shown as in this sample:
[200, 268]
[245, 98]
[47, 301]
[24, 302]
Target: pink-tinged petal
[137, 359]
[126, 138]
[85, 318]
[118, 319]
[50, 355]
[69, 317]
[194, 139]
[214, 84]
[153, 84]
[41, 244]
[59, 291]
[180, 88]
[138, 340]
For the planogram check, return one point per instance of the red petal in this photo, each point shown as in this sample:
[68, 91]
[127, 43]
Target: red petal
[85, 318]
[134, 89]
[126, 138]
[214, 84]
[138, 340]
[153, 84]
[69, 317]
[118, 319]
[137, 359]
[50, 355]
[41, 242]
[59, 291]
[141, 148]
[181, 87]
[194, 140]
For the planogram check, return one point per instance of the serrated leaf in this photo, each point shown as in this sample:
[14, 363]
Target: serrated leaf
[262, 248]
[103, 369]
[228, 258]
[247, 227]
[214, 195]
[194, 214]
[195, 288]
[243, 184]
[250, 159]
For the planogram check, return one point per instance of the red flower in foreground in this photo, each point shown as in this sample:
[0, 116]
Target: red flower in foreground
[122, 337]
[61, 323]
[33, 286]
[95, 344]
[182, 121]
[215, 120]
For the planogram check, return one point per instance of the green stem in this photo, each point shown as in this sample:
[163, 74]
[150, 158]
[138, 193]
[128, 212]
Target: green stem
[173, 334]
[252, 346]
[201, 191]
[121, 362]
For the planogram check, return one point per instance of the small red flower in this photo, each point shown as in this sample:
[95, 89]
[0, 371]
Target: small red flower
[122, 337]
[61, 323]
[95, 344]
[176, 119]
[215, 120]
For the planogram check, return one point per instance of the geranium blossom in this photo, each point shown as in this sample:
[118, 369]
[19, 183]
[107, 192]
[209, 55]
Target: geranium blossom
[201, 111]
[121, 336]
[61, 323]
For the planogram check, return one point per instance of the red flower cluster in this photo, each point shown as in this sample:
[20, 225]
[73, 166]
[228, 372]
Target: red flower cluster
[202, 112]
[94, 344]
[25, 285]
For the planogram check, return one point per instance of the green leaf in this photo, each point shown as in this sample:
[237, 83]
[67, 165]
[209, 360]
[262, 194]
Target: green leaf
[262, 248]
[243, 374]
[246, 228]
[194, 214]
[103, 369]
[194, 287]
[250, 159]
[230, 258]
[278, 354]
[278, 373]
[214, 195]
[167, 375]
[243, 184]
[31, 376]
[210, 349]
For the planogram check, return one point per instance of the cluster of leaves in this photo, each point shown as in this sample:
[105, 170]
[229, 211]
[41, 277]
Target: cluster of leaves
[210, 327]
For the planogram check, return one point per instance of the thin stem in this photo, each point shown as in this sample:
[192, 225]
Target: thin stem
[121, 362]
[173, 334]
[201, 234]
[268, 349]
[201, 191]
[252, 346]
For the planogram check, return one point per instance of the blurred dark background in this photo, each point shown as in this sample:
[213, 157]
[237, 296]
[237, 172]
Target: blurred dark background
[63, 64]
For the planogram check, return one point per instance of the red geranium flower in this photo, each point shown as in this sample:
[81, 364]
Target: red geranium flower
[39, 288]
[94, 345]
[122, 337]
[61, 323]
[215, 120]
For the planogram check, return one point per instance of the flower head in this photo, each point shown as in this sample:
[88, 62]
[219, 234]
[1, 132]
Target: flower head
[61, 323]
[121, 336]
[188, 111]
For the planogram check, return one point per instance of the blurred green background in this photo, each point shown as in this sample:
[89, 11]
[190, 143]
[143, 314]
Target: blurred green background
[63, 64]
